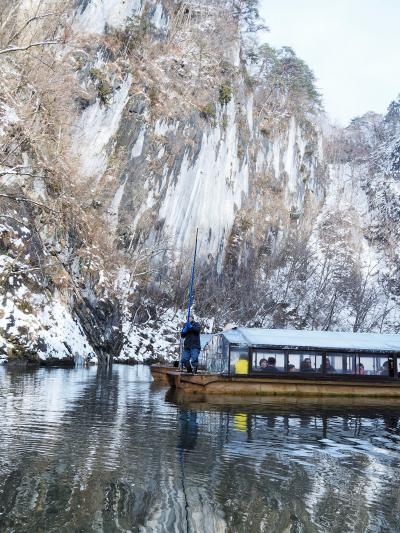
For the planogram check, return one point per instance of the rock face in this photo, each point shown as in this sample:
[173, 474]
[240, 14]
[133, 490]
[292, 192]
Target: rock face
[157, 118]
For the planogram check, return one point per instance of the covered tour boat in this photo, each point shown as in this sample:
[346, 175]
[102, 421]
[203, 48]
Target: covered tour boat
[291, 362]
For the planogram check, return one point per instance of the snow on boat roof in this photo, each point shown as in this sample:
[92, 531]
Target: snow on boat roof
[300, 339]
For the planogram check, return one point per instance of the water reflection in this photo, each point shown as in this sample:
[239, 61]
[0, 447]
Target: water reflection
[188, 429]
[106, 450]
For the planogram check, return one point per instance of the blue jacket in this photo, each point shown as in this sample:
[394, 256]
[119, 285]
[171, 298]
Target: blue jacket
[191, 334]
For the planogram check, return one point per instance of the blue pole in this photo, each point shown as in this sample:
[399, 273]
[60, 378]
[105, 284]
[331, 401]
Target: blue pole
[192, 280]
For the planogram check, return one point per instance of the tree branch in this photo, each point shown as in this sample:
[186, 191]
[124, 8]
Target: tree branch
[24, 48]
[23, 271]
[20, 199]
[17, 173]
[37, 17]
[13, 218]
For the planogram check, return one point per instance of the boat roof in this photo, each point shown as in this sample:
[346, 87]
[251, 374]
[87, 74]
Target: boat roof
[312, 340]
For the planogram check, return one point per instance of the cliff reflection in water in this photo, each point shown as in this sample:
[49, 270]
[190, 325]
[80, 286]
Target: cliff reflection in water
[106, 450]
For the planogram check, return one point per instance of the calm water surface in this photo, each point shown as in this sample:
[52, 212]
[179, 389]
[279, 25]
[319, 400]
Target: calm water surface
[107, 450]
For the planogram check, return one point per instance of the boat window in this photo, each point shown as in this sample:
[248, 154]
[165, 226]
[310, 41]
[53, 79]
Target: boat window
[338, 363]
[358, 364]
[305, 362]
[268, 362]
[372, 365]
[239, 361]
[215, 355]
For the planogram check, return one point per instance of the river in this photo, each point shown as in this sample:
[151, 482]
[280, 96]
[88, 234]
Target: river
[105, 449]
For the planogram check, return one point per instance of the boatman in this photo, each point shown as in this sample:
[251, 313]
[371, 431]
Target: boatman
[191, 345]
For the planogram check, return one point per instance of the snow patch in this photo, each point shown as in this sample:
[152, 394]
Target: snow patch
[162, 127]
[138, 146]
[249, 111]
[159, 18]
[289, 160]
[114, 207]
[49, 331]
[159, 340]
[8, 116]
[96, 15]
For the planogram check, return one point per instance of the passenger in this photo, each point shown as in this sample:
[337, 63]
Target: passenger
[384, 370]
[329, 369]
[291, 368]
[360, 370]
[306, 366]
[242, 365]
[263, 364]
[270, 367]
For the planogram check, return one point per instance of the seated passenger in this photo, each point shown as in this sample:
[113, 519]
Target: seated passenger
[291, 368]
[384, 370]
[360, 370]
[306, 366]
[242, 365]
[329, 369]
[269, 366]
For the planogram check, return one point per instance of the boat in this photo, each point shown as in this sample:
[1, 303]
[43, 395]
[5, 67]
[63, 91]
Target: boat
[256, 361]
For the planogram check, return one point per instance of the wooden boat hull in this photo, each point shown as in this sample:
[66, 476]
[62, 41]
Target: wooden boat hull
[159, 372]
[217, 384]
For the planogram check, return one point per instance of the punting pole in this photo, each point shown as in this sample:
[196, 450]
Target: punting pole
[192, 280]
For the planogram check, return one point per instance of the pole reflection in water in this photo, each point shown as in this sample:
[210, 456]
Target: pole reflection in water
[188, 429]
[107, 450]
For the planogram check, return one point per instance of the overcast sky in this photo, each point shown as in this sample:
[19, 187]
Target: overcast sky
[353, 47]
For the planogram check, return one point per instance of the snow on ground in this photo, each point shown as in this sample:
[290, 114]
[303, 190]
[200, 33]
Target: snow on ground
[33, 324]
[158, 339]
[8, 116]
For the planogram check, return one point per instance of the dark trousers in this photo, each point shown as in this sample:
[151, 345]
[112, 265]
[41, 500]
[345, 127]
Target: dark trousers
[190, 356]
